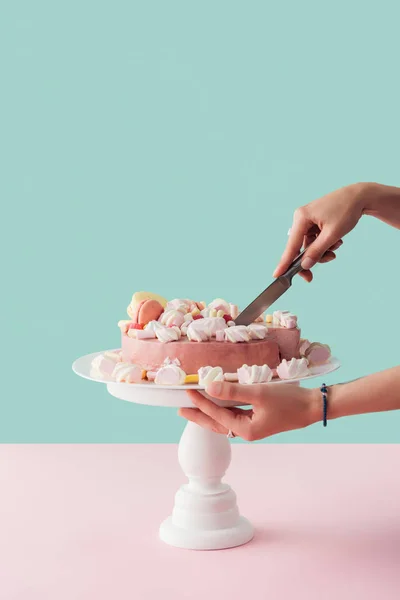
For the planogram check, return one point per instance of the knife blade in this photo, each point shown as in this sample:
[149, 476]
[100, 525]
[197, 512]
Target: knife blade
[270, 294]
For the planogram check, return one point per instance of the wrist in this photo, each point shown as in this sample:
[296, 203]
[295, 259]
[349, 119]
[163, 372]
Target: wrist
[314, 412]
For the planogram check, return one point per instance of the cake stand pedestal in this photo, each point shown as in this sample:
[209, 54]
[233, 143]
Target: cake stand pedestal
[205, 514]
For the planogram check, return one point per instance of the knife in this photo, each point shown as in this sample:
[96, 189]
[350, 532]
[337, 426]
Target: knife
[270, 294]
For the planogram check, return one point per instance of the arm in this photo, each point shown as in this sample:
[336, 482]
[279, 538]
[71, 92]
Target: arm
[321, 224]
[278, 408]
[382, 202]
[374, 393]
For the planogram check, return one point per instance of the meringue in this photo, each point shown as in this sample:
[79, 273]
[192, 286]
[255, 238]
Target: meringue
[167, 334]
[103, 365]
[200, 330]
[128, 373]
[183, 305]
[254, 374]
[172, 317]
[170, 375]
[293, 369]
[209, 374]
[220, 304]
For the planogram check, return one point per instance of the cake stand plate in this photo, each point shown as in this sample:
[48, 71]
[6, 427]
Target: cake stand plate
[205, 514]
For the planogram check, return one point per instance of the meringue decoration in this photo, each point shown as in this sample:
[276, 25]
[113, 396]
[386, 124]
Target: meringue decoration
[200, 330]
[220, 304]
[254, 374]
[172, 317]
[170, 375]
[167, 334]
[183, 305]
[237, 333]
[295, 368]
[128, 373]
[209, 374]
[257, 331]
[103, 365]
[317, 354]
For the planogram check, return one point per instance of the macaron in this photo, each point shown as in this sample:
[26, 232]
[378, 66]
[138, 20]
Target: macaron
[146, 311]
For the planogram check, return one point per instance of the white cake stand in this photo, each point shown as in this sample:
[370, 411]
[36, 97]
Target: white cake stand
[205, 514]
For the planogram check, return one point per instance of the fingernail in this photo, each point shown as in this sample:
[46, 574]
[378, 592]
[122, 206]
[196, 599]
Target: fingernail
[214, 388]
[307, 263]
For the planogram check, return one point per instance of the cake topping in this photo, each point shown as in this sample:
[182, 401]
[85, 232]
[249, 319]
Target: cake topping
[194, 378]
[317, 354]
[140, 297]
[103, 365]
[220, 304]
[237, 333]
[284, 318]
[209, 374]
[167, 334]
[303, 346]
[181, 304]
[199, 330]
[172, 317]
[170, 375]
[268, 319]
[293, 369]
[257, 331]
[233, 311]
[128, 373]
[254, 374]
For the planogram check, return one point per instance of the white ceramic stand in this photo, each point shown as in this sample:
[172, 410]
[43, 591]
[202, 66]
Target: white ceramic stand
[205, 514]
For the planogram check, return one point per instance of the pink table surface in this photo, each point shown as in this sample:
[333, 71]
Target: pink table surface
[79, 522]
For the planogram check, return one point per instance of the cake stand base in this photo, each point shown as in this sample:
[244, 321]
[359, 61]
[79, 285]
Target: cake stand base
[205, 514]
[242, 533]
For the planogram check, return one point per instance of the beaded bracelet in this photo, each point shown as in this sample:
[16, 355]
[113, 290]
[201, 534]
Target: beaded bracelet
[324, 391]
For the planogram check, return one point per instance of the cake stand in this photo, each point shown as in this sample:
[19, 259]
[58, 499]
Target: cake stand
[205, 515]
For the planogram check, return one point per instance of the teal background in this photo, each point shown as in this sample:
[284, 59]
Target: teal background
[164, 146]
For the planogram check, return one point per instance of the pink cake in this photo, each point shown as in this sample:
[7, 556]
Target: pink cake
[184, 341]
[150, 354]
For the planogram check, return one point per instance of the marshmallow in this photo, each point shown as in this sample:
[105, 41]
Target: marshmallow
[237, 333]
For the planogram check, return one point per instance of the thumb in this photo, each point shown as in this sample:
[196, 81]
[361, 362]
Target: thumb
[236, 393]
[317, 249]
[228, 391]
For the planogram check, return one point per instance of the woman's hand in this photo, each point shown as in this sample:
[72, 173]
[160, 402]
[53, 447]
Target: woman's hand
[321, 225]
[275, 408]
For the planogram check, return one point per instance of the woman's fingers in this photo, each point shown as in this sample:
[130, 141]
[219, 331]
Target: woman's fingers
[238, 422]
[197, 416]
[293, 246]
[317, 249]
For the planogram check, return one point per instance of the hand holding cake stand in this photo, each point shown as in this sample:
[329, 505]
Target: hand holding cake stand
[205, 514]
